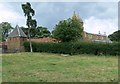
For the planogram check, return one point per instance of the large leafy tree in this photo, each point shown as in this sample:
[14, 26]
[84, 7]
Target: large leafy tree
[33, 31]
[68, 30]
[5, 27]
[1, 39]
[25, 30]
[31, 23]
[115, 36]
[42, 32]
[38, 32]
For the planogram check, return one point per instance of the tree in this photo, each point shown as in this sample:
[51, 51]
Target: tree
[42, 32]
[68, 30]
[33, 31]
[38, 32]
[31, 23]
[115, 36]
[1, 39]
[25, 30]
[5, 27]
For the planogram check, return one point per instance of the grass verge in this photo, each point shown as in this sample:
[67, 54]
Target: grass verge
[44, 67]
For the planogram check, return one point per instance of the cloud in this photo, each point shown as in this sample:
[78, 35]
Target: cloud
[59, 0]
[9, 15]
[47, 14]
[94, 25]
[50, 13]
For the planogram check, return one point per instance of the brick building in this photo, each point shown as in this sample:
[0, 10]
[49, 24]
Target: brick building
[16, 39]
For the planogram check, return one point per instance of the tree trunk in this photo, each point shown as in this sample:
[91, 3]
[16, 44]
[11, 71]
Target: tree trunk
[31, 50]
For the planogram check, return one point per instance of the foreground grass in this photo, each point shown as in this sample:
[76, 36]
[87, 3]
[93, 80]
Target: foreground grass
[0, 67]
[43, 67]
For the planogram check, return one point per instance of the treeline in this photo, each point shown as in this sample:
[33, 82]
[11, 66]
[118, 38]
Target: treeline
[38, 32]
[115, 36]
[76, 48]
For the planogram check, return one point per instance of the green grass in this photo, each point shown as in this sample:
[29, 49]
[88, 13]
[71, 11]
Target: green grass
[0, 67]
[44, 67]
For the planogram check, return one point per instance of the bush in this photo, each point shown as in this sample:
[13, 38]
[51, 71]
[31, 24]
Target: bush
[76, 48]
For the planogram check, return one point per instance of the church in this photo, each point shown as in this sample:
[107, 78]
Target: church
[89, 36]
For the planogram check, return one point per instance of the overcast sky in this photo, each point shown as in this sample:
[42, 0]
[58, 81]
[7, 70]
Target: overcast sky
[97, 16]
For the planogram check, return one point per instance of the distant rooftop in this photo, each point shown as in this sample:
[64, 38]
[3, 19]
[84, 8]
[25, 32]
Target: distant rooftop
[17, 32]
[96, 34]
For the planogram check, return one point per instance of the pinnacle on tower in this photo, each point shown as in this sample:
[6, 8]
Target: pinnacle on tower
[77, 16]
[74, 16]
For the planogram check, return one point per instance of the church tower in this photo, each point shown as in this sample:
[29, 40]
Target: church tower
[16, 39]
[77, 17]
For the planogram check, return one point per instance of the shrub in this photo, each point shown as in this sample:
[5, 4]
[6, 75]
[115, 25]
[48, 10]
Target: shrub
[76, 48]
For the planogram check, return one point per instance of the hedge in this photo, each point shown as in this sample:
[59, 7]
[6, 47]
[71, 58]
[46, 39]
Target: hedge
[76, 48]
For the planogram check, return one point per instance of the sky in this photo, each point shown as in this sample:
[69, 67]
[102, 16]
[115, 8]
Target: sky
[97, 16]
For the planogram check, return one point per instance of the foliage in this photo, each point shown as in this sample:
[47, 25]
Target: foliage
[31, 23]
[76, 48]
[42, 32]
[68, 30]
[29, 12]
[115, 36]
[38, 32]
[5, 27]
[25, 30]
[1, 38]
[33, 31]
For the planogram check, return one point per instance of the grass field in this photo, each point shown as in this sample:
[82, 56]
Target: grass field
[44, 67]
[0, 66]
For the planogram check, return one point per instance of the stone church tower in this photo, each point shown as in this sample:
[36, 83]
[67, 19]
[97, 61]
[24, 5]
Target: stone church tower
[16, 39]
[77, 17]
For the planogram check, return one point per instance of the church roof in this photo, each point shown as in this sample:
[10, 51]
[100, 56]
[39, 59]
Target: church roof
[17, 32]
[96, 34]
